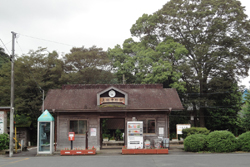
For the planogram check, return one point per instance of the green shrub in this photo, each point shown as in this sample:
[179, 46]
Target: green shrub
[244, 142]
[221, 141]
[195, 143]
[4, 141]
[194, 130]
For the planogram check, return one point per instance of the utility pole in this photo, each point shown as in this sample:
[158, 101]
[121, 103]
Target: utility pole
[12, 95]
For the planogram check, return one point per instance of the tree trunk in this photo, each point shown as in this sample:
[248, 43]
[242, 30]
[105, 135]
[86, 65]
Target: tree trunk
[202, 101]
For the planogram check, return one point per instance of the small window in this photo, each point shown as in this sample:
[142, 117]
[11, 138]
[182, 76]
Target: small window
[78, 126]
[148, 125]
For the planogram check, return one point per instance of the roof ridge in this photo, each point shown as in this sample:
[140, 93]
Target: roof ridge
[121, 86]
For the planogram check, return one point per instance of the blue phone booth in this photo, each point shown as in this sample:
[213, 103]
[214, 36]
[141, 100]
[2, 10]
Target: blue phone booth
[45, 133]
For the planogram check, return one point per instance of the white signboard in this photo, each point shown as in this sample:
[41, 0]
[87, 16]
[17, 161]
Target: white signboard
[179, 128]
[161, 131]
[1, 122]
[92, 131]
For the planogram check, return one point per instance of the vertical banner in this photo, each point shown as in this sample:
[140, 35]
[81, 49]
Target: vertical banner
[1, 122]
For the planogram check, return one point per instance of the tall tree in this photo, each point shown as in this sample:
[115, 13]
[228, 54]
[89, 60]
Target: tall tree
[146, 64]
[87, 66]
[224, 103]
[215, 33]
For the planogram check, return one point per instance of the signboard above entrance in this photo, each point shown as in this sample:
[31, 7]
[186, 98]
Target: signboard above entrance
[112, 100]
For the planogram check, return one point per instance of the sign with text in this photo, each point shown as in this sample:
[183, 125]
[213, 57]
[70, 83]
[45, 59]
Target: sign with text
[180, 127]
[1, 122]
[92, 131]
[71, 136]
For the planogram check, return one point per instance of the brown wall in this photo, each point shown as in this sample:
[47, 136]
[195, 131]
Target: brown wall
[93, 121]
[23, 134]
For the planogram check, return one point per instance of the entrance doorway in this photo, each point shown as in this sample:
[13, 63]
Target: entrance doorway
[112, 132]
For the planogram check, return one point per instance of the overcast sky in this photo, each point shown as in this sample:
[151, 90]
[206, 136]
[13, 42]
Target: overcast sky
[62, 24]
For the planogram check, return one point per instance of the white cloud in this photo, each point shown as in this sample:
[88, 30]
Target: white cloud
[104, 23]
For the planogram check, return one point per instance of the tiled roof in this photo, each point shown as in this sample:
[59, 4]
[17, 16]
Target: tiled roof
[140, 98]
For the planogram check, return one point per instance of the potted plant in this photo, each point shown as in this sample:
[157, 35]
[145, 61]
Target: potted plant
[118, 134]
[105, 137]
[112, 139]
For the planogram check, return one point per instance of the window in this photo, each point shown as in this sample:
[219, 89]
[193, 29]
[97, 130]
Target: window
[78, 126]
[148, 125]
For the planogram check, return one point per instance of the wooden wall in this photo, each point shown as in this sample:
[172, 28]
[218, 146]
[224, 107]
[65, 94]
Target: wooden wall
[93, 121]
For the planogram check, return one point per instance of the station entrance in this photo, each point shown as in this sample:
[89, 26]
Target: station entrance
[112, 132]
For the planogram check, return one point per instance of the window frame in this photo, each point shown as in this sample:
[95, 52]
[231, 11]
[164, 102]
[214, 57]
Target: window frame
[78, 126]
[147, 119]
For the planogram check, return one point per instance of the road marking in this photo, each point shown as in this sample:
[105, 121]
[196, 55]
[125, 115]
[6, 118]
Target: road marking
[14, 162]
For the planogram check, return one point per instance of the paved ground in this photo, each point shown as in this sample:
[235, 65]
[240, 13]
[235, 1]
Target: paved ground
[175, 149]
[112, 158]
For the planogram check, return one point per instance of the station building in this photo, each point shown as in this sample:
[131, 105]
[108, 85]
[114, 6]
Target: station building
[82, 108]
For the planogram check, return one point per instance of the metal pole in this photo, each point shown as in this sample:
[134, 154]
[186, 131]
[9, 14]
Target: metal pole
[15, 140]
[43, 101]
[12, 95]
[86, 141]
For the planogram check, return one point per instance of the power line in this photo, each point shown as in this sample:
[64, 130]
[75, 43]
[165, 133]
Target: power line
[19, 47]
[30, 70]
[5, 46]
[47, 40]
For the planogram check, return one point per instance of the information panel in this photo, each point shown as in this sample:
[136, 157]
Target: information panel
[180, 127]
[1, 122]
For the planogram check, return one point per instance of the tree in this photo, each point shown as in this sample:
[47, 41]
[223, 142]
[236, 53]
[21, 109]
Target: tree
[224, 102]
[215, 33]
[87, 66]
[143, 64]
[4, 58]
[244, 115]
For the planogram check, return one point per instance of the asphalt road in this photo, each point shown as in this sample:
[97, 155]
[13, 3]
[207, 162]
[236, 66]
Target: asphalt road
[173, 160]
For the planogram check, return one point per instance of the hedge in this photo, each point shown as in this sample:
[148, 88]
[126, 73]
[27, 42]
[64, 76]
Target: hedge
[195, 143]
[221, 141]
[244, 141]
[194, 130]
[4, 141]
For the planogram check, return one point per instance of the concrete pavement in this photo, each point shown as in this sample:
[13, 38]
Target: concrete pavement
[175, 149]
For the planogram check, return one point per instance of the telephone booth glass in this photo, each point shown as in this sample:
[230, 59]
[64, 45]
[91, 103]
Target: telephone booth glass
[44, 134]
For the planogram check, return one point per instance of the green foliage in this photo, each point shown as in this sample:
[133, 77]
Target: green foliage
[105, 131]
[4, 58]
[194, 130]
[224, 100]
[243, 142]
[177, 117]
[44, 70]
[244, 114]
[221, 141]
[195, 143]
[21, 119]
[87, 66]
[118, 134]
[4, 141]
[216, 40]
[141, 63]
